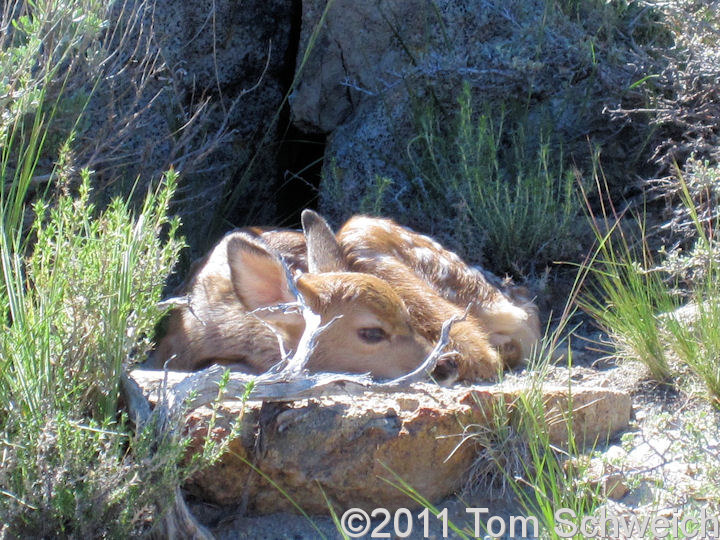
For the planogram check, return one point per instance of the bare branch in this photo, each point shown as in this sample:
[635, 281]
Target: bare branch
[290, 383]
[422, 371]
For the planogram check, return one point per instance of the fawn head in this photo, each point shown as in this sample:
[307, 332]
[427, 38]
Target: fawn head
[243, 279]
[369, 326]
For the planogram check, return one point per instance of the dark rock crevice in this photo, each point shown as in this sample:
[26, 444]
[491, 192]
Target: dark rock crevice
[300, 162]
[296, 156]
[300, 154]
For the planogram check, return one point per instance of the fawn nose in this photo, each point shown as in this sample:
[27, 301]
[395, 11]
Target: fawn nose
[446, 371]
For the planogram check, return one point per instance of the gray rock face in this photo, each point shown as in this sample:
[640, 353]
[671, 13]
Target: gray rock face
[362, 48]
[366, 49]
[218, 43]
[377, 67]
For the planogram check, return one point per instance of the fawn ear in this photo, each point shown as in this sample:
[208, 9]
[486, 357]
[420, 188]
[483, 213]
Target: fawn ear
[324, 252]
[257, 274]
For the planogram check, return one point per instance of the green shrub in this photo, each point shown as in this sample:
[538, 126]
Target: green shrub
[79, 293]
[521, 201]
[73, 313]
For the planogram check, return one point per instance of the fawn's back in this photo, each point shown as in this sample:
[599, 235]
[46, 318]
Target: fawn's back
[398, 254]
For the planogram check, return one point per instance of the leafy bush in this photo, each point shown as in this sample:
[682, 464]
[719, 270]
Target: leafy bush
[79, 293]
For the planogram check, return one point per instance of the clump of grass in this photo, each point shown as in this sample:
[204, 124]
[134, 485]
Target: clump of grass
[518, 456]
[625, 297]
[696, 342]
[543, 476]
[552, 478]
[522, 201]
[626, 294]
[517, 452]
[695, 338]
[636, 296]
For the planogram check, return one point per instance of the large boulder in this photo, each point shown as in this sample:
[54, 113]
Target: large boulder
[377, 70]
[346, 446]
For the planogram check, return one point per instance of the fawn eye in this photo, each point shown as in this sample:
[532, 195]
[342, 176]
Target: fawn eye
[372, 335]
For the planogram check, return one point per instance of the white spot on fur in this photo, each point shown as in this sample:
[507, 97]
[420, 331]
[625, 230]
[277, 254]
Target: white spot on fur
[375, 258]
[353, 236]
[445, 263]
[444, 268]
[423, 255]
[387, 226]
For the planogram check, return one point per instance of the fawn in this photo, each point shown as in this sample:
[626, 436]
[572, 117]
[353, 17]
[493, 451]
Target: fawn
[394, 288]
[243, 274]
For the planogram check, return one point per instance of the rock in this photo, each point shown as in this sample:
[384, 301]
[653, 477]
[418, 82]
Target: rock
[607, 479]
[650, 454]
[685, 316]
[596, 412]
[378, 68]
[365, 49]
[349, 446]
[196, 86]
[357, 55]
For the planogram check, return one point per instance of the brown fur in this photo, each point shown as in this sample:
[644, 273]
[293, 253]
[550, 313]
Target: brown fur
[242, 274]
[361, 301]
[216, 325]
[510, 320]
[375, 273]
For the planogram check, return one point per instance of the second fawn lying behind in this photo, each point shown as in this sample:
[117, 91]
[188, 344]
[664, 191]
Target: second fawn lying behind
[435, 285]
[410, 261]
